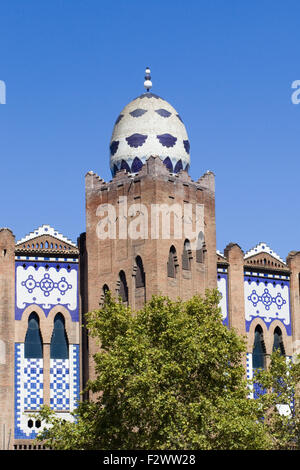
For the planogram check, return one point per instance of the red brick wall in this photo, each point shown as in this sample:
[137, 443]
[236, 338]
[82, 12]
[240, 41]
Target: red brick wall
[105, 258]
[7, 296]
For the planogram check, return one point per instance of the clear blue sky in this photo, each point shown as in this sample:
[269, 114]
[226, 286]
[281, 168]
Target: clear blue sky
[227, 66]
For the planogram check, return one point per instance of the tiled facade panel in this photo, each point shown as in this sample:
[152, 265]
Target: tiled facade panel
[267, 297]
[64, 381]
[28, 391]
[46, 284]
[59, 384]
[223, 289]
[249, 371]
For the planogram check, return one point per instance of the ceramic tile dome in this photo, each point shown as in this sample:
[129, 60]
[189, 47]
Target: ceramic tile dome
[147, 126]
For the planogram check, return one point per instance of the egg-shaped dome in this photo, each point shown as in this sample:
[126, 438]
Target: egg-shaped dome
[147, 126]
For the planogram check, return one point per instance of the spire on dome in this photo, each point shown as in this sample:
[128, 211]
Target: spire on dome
[147, 82]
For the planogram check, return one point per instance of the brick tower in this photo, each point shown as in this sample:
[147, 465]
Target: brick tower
[151, 229]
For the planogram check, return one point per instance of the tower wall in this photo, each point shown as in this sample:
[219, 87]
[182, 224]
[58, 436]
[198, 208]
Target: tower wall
[153, 185]
[293, 261]
[7, 300]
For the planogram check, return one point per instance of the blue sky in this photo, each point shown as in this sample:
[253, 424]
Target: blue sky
[227, 66]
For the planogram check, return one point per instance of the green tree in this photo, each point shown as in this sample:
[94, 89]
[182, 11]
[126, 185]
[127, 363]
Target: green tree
[169, 376]
[279, 401]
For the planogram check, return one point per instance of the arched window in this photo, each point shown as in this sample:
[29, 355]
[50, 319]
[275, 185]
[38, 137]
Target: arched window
[200, 249]
[278, 341]
[140, 273]
[259, 350]
[186, 256]
[59, 343]
[105, 289]
[123, 290]
[33, 340]
[172, 263]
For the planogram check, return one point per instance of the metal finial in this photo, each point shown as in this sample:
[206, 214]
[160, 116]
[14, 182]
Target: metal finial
[147, 82]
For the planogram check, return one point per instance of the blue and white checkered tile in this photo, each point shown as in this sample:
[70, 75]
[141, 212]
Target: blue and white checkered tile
[65, 381]
[28, 391]
[75, 382]
[59, 384]
[249, 371]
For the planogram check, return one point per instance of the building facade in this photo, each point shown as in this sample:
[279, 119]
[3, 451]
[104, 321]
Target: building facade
[150, 230]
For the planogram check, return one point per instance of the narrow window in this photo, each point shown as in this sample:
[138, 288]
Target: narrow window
[200, 248]
[172, 263]
[105, 289]
[33, 339]
[259, 350]
[186, 256]
[59, 343]
[140, 273]
[278, 342]
[123, 290]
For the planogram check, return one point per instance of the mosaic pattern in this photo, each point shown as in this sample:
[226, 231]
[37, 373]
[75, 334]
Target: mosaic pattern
[255, 389]
[267, 298]
[149, 126]
[46, 282]
[59, 384]
[222, 288]
[33, 383]
[138, 112]
[136, 165]
[249, 371]
[136, 140]
[28, 391]
[46, 285]
[163, 113]
[186, 146]
[167, 140]
[149, 95]
[64, 381]
[74, 376]
[168, 163]
[114, 147]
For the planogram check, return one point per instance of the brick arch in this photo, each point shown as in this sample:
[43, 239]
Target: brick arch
[22, 325]
[139, 271]
[285, 337]
[122, 282]
[257, 322]
[172, 262]
[186, 255]
[69, 325]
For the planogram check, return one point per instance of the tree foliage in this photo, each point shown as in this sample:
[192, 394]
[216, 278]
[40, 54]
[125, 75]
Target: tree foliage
[170, 376]
[279, 401]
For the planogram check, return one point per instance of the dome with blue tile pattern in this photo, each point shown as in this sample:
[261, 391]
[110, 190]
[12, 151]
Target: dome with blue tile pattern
[149, 126]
